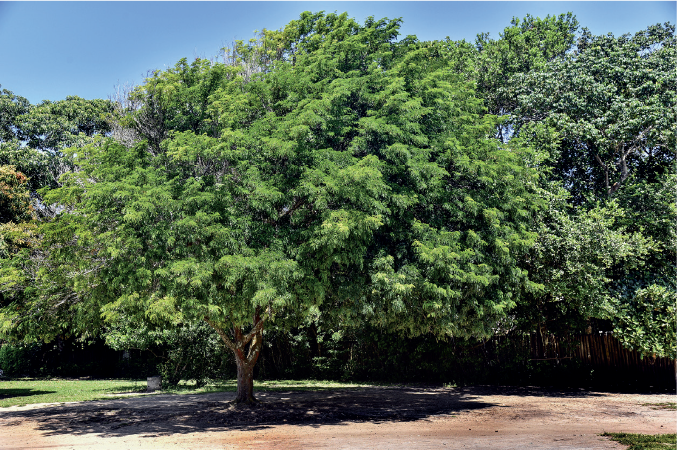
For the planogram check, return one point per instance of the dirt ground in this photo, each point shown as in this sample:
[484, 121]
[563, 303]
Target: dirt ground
[365, 418]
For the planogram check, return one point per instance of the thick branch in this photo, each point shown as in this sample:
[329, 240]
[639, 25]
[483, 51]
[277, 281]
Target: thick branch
[224, 337]
[255, 349]
[257, 328]
[622, 163]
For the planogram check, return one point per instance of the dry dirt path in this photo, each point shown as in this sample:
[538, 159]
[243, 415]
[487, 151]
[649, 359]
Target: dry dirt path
[370, 418]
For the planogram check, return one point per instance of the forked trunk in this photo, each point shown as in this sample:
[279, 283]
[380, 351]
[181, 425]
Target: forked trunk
[246, 347]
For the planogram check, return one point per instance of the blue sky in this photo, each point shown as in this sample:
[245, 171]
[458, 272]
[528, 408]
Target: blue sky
[53, 49]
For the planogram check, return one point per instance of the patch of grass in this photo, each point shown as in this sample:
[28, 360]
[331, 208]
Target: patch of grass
[28, 391]
[644, 441]
[666, 405]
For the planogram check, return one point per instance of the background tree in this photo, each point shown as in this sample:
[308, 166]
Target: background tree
[33, 136]
[35, 303]
[11, 108]
[580, 257]
[608, 140]
[525, 47]
[613, 102]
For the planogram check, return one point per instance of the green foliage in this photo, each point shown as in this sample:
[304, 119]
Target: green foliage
[525, 47]
[52, 126]
[178, 100]
[11, 107]
[601, 136]
[35, 300]
[612, 101]
[650, 209]
[585, 245]
[646, 323]
[33, 136]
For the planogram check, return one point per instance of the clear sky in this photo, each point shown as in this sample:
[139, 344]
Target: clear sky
[49, 50]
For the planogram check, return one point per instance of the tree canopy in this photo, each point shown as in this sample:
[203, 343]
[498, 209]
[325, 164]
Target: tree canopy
[356, 176]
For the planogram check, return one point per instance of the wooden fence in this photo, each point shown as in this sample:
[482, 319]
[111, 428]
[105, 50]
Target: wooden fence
[597, 349]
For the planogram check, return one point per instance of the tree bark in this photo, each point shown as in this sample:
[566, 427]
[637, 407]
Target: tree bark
[245, 381]
[246, 348]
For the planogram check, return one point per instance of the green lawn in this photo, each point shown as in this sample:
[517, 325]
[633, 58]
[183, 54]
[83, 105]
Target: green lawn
[27, 391]
[645, 441]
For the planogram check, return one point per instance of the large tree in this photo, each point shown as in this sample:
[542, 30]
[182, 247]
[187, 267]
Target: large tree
[612, 101]
[352, 176]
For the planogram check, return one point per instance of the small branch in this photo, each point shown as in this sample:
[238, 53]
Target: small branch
[299, 202]
[606, 172]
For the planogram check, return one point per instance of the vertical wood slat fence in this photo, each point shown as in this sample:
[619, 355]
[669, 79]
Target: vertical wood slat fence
[600, 349]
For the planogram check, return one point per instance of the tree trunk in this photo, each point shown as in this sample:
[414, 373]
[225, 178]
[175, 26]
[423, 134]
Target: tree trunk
[245, 381]
[246, 347]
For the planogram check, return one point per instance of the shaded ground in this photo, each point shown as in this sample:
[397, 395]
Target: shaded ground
[413, 417]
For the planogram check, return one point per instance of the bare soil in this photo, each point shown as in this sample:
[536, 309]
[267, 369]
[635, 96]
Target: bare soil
[367, 418]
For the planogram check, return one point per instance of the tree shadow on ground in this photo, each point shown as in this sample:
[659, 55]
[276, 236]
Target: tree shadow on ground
[9, 393]
[531, 391]
[172, 414]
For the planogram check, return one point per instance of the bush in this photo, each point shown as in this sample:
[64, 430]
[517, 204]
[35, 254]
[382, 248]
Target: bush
[15, 360]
